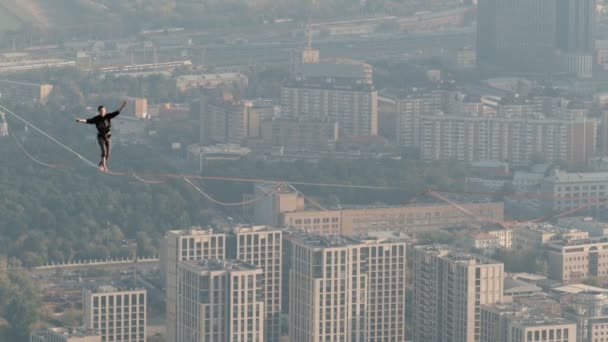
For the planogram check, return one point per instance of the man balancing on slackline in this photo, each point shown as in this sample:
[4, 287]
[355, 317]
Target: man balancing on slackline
[103, 123]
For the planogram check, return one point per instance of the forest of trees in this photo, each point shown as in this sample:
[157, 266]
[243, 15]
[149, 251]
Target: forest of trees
[59, 214]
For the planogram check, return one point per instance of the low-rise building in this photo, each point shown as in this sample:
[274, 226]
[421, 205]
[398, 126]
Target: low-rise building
[564, 191]
[571, 260]
[414, 218]
[487, 243]
[514, 323]
[65, 335]
[590, 225]
[518, 288]
[590, 312]
[532, 236]
[212, 81]
[25, 92]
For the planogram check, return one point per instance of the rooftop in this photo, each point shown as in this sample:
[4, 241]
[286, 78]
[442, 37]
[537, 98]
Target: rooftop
[579, 288]
[194, 231]
[446, 252]
[70, 332]
[331, 241]
[108, 288]
[515, 286]
[570, 177]
[524, 316]
[211, 265]
[331, 70]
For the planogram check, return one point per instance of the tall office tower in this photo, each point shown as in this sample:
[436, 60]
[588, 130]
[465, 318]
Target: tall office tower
[343, 289]
[518, 35]
[65, 335]
[515, 323]
[119, 315]
[219, 301]
[354, 105]
[262, 247]
[184, 245]
[589, 310]
[258, 245]
[576, 27]
[449, 289]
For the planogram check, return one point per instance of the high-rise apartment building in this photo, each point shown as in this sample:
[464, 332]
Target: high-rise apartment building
[65, 335]
[119, 315]
[219, 301]
[343, 289]
[353, 105]
[186, 245]
[259, 246]
[449, 289]
[517, 140]
[518, 35]
[298, 134]
[590, 313]
[262, 247]
[515, 323]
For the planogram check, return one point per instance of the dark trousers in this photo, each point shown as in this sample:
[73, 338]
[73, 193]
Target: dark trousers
[104, 144]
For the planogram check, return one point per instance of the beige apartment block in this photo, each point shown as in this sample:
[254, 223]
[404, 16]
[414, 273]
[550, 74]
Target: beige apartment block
[118, 315]
[260, 246]
[533, 236]
[577, 259]
[219, 301]
[186, 245]
[346, 289]
[449, 289]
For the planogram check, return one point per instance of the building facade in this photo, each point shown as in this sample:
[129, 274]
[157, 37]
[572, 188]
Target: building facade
[577, 259]
[259, 246]
[449, 289]
[509, 139]
[219, 301]
[353, 105]
[186, 245]
[590, 313]
[118, 315]
[65, 335]
[517, 35]
[564, 191]
[24, 92]
[407, 219]
[262, 247]
[343, 289]
[514, 323]
[299, 134]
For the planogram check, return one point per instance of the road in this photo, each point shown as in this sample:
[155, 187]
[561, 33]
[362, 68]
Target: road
[360, 47]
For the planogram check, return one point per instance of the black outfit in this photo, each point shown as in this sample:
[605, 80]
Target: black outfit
[104, 136]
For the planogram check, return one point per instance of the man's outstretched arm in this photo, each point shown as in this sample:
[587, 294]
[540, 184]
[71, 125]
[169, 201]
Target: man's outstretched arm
[89, 121]
[115, 114]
